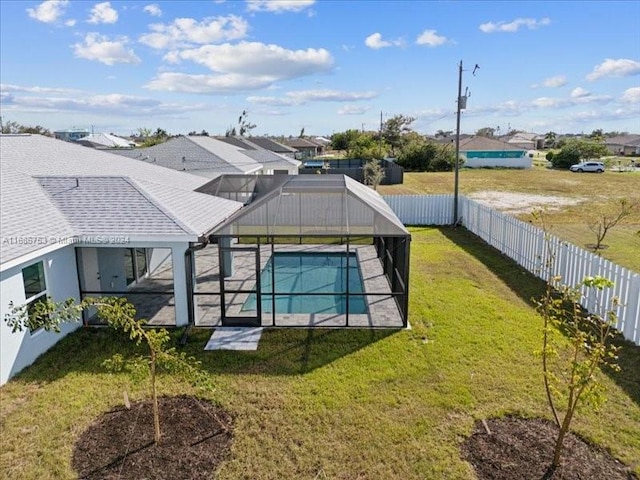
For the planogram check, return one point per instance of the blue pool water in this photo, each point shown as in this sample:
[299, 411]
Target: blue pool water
[324, 273]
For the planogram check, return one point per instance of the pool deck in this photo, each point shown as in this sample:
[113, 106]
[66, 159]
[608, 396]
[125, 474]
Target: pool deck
[382, 311]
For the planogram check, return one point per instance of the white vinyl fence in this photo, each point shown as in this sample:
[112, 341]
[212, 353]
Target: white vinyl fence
[527, 246]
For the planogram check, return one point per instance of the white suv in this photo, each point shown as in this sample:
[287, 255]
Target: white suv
[597, 167]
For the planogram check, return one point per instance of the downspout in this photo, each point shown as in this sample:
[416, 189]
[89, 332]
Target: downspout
[189, 269]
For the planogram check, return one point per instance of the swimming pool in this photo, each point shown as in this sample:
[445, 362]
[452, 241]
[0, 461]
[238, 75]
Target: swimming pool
[317, 273]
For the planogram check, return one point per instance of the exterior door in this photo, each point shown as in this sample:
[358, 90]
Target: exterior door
[240, 285]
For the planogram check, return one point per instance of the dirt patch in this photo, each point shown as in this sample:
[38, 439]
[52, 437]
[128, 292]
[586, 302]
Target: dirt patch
[515, 203]
[523, 449]
[196, 438]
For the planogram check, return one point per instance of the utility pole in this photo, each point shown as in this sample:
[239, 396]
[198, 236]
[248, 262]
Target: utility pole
[462, 104]
[457, 159]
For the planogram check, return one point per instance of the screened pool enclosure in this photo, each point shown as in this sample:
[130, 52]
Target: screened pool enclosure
[319, 251]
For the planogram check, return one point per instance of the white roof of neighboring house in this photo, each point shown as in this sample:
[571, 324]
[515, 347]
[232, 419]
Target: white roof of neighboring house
[52, 191]
[203, 156]
[105, 140]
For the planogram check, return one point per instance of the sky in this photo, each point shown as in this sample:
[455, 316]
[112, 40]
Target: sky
[324, 66]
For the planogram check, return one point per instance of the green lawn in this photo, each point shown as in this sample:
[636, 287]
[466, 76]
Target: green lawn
[597, 192]
[342, 404]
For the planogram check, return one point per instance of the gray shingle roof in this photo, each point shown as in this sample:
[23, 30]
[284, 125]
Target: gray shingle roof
[114, 195]
[478, 143]
[260, 154]
[194, 155]
[272, 145]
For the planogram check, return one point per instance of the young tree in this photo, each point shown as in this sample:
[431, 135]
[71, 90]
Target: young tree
[373, 173]
[119, 314]
[605, 222]
[575, 346]
[244, 125]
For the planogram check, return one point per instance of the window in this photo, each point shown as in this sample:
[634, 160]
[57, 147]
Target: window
[35, 286]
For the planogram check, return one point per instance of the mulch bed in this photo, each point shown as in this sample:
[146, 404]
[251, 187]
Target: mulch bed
[196, 438]
[523, 449]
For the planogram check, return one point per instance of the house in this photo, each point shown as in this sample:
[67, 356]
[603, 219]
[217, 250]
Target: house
[273, 163]
[105, 140]
[79, 222]
[623, 145]
[305, 148]
[481, 152]
[526, 141]
[199, 155]
[71, 134]
[274, 146]
[189, 250]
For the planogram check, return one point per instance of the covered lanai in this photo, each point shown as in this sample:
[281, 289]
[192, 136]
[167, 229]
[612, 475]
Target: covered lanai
[305, 251]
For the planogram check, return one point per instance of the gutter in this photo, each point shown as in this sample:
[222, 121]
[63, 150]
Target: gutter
[189, 269]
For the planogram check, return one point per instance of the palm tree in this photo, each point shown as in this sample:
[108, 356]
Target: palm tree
[549, 139]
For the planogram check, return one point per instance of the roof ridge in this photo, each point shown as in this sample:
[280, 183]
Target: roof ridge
[157, 203]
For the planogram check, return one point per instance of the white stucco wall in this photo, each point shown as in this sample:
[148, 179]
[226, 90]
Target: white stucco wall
[20, 349]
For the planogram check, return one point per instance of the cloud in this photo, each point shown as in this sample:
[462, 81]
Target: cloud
[113, 103]
[515, 25]
[153, 9]
[579, 92]
[631, 95]
[103, 13]
[622, 67]
[431, 39]
[353, 110]
[579, 96]
[301, 97]
[7, 87]
[48, 11]
[375, 42]
[553, 82]
[99, 48]
[71, 22]
[241, 67]
[278, 6]
[187, 31]
[212, 84]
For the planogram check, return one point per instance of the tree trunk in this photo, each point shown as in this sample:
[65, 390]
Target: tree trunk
[154, 395]
[557, 452]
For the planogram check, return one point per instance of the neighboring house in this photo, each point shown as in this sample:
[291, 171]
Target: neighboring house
[199, 155]
[78, 222]
[526, 141]
[273, 163]
[305, 148]
[105, 140]
[623, 145]
[273, 146]
[481, 152]
[71, 134]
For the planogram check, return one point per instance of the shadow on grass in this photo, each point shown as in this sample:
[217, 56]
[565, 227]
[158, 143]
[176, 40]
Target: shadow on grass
[280, 351]
[527, 286]
[285, 351]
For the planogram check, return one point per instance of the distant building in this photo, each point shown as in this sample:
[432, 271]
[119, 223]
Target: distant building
[71, 134]
[305, 148]
[623, 145]
[105, 140]
[479, 152]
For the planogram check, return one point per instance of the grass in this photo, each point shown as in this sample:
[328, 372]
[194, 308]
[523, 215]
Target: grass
[342, 404]
[598, 193]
